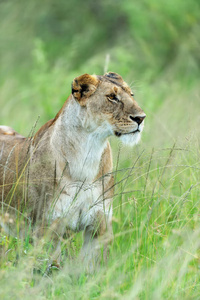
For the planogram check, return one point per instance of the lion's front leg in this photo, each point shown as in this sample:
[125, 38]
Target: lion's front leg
[97, 238]
[48, 238]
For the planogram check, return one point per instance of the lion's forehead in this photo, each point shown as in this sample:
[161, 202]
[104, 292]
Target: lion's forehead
[108, 86]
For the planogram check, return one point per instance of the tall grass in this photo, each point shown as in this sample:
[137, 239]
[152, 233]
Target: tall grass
[156, 249]
[155, 253]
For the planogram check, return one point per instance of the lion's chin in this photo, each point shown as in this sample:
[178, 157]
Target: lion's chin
[130, 139]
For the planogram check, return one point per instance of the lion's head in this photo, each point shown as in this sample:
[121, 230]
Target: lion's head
[108, 102]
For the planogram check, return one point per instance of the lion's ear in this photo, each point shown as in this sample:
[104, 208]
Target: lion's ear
[83, 87]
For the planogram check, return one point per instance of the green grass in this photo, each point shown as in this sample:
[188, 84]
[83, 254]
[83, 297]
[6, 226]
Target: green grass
[156, 248]
[155, 46]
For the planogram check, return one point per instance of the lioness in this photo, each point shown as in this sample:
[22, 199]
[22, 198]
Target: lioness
[63, 175]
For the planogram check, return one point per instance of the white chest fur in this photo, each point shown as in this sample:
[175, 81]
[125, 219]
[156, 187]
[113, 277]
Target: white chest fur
[78, 142]
[84, 164]
[80, 206]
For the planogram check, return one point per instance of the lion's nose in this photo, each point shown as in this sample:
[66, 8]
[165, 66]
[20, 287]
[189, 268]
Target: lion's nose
[137, 119]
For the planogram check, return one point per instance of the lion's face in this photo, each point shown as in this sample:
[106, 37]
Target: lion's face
[109, 102]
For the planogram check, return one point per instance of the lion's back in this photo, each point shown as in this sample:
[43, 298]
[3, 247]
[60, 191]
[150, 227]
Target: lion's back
[13, 151]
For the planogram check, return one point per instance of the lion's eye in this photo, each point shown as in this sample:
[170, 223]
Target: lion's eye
[112, 97]
[132, 94]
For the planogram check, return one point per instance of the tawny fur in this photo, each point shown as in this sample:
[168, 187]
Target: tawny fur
[63, 175]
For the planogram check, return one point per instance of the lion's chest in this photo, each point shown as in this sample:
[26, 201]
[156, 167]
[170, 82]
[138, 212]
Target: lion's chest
[78, 205]
[84, 165]
[80, 199]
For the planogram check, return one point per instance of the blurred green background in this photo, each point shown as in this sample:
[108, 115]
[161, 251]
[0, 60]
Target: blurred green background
[154, 45]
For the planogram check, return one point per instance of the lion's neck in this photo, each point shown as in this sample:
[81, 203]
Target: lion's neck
[79, 142]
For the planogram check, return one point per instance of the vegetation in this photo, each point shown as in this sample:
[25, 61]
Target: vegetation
[155, 46]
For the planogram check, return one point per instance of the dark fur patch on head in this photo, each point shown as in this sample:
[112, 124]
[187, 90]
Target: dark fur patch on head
[114, 78]
[113, 75]
[117, 80]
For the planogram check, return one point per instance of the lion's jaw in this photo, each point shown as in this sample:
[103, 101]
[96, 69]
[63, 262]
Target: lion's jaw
[132, 138]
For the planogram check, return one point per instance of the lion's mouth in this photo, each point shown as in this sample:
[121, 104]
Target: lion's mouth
[118, 134]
